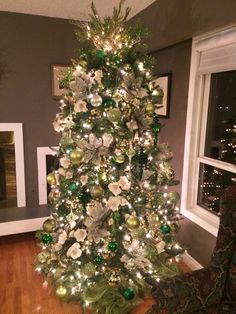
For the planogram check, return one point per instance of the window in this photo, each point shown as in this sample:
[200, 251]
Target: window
[12, 179]
[210, 142]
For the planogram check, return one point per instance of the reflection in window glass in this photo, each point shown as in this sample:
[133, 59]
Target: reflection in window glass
[212, 183]
[8, 196]
[221, 123]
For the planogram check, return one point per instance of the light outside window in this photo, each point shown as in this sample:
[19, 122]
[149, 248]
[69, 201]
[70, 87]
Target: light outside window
[210, 139]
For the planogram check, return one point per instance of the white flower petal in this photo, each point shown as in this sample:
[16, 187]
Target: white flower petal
[74, 251]
[115, 188]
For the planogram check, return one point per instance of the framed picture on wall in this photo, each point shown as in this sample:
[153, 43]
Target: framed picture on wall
[164, 82]
[57, 71]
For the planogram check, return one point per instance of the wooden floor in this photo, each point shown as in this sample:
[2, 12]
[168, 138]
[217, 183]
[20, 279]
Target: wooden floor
[21, 290]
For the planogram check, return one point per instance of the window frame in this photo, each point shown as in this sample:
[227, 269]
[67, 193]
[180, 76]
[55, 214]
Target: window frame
[198, 101]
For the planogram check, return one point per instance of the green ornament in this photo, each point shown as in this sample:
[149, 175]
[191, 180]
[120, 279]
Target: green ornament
[108, 102]
[69, 148]
[72, 186]
[49, 225]
[128, 293]
[165, 229]
[112, 246]
[98, 259]
[114, 115]
[47, 238]
[100, 54]
[155, 127]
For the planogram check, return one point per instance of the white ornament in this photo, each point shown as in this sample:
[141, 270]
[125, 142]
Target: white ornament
[96, 100]
[74, 251]
[80, 106]
[107, 139]
[80, 235]
[64, 162]
[115, 188]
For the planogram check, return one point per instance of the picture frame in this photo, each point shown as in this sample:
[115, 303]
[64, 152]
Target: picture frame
[164, 81]
[56, 72]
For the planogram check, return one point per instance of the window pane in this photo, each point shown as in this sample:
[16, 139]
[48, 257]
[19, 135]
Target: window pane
[221, 122]
[8, 197]
[212, 183]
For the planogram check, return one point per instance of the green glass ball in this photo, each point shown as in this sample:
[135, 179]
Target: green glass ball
[165, 229]
[76, 156]
[108, 102]
[47, 238]
[72, 186]
[69, 148]
[128, 294]
[112, 246]
[100, 54]
[98, 259]
[96, 191]
[114, 115]
[49, 225]
[132, 222]
[61, 291]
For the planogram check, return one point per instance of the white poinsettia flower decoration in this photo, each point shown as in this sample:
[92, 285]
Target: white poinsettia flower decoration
[114, 202]
[107, 139]
[124, 183]
[98, 75]
[115, 188]
[94, 141]
[64, 162]
[96, 210]
[69, 174]
[160, 246]
[57, 126]
[123, 201]
[84, 179]
[74, 251]
[62, 237]
[56, 247]
[62, 172]
[80, 235]
[80, 106]
[132, 125]
[78, 70]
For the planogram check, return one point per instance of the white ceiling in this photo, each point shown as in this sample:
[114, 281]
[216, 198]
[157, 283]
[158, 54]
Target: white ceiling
[69, 9]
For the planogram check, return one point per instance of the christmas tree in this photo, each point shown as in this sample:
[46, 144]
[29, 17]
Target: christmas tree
[114, 219]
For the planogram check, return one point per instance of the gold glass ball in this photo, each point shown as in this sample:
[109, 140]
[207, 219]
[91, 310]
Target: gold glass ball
[49, 225]
[102, 176]
[114, 115]
[96, 191]
[150, 108]
[120, 159]
[61, 291]
[132, 222]
[76, 156]
[51, 179]
[96, 100]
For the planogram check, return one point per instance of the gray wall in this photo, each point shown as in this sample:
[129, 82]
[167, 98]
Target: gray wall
[28, 47]
[172, 24]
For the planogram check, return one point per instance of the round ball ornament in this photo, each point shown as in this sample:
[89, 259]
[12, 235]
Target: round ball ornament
[72, 186]
[165, 229]
[49, 225]
[96, 100]
[47, 238]
[42, 257]
[100, 54]
[76, 156]
[112, 246]
[150, 108]
[128, 293]
[132, 222]
[98, 259]
[114, 115]
[108, 102]
[51, 179]
[119, 159]
[102, 176]
[96, 191]
[61, 291]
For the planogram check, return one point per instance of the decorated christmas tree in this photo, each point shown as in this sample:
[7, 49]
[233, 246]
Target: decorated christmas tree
[114, 218]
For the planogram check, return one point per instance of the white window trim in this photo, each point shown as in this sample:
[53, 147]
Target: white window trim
[19, 158]
[198, 94]
[42, 152]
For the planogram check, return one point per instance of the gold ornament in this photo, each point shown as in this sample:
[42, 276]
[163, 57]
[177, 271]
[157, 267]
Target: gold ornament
[42, 257]
[96, 191]
[102, 176]
[76, 156]
[114, 115]
[132, 222]
[150, 108]
[114, 279]
[61, 291]
[120, 159]
[51, 179]
[49, 225]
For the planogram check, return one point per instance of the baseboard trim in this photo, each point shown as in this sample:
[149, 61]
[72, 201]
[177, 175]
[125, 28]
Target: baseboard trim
[191, 262]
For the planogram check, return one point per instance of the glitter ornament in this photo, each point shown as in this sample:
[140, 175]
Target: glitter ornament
[98, 259]
[51, 179]
[112, 246]
[150, 108]
[128, 294]
[96, 100]
[42, 257]
[132, 222]
[76, 156]
[46, 238]
[114, 115]
[49, 225]
[165, 229]
[61, 291]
